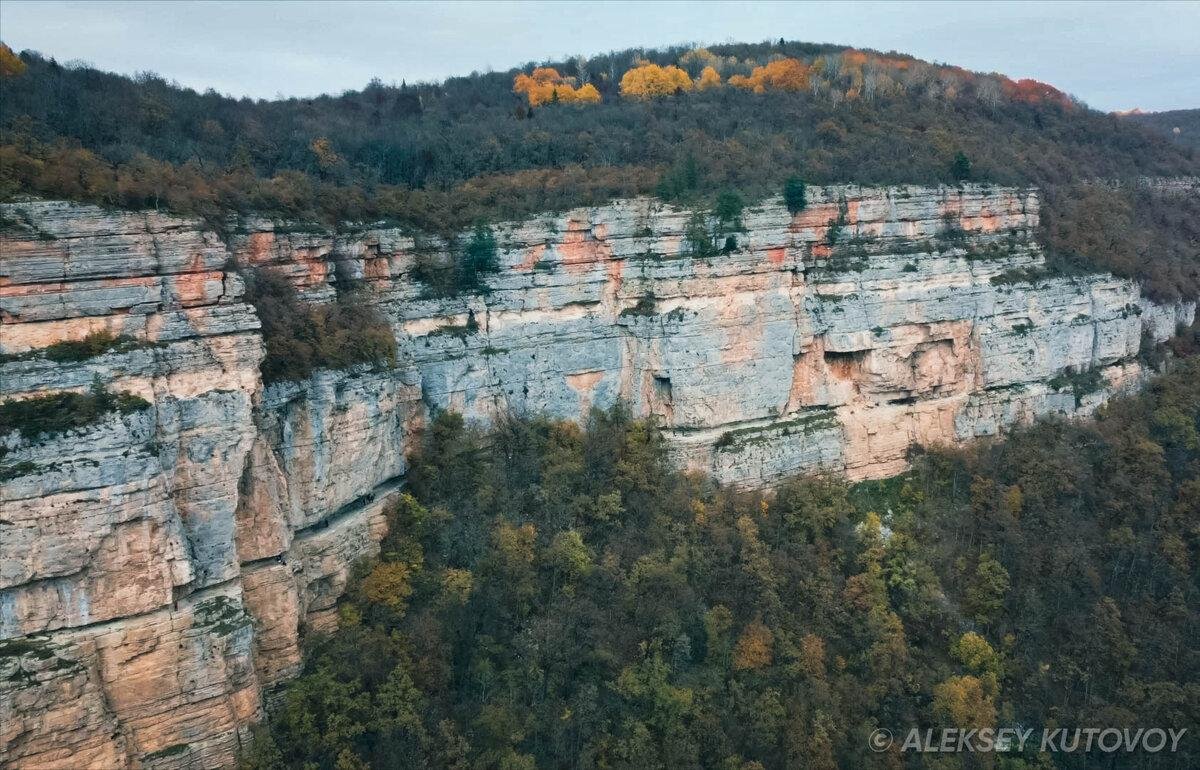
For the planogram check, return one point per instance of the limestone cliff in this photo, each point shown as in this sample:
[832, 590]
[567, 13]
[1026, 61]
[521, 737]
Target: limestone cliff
[158, 568]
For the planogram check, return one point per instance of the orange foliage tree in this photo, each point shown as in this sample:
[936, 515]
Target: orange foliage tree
[545, 86]
[1034, 92]
[779, 75]
[650, 81]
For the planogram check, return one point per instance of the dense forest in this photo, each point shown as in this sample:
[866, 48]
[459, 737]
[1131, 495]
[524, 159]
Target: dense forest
[557, 596]
[678, 122]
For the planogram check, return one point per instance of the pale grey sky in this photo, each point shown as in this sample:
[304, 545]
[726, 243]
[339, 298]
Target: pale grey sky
[1112, 55]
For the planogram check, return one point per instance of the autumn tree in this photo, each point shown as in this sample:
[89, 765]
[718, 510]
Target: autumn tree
[651, 81]
[754, 648]
[389, 584]
[538, 87]
[10, 64]
[779, 75]
[961, 701]
[546, 86]
[326, 157]
[709, 78]
[587, 93]
[699, 59]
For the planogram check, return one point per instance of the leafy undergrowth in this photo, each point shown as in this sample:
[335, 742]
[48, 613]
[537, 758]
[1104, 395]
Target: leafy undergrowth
[550, 596]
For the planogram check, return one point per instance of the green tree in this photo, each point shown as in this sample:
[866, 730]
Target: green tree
[986, 589]
[479, 256]
[728, 210]
[795, 195]
[960, 167]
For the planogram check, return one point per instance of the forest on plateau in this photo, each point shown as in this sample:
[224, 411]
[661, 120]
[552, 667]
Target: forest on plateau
[556, 596]
[682, 123]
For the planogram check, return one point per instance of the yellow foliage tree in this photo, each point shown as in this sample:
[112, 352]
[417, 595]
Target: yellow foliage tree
[587, 93]
[779, 75]
[545, 86]
[389, 584]
[709, 78]
[812, 656]
[514, 544]
[702, 57]
[322, 150]
[754, 648]
[10, 64]
[960, 701]
[457, 585]
[650, 81]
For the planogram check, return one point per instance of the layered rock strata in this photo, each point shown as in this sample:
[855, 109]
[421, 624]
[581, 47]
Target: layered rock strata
[159, 567]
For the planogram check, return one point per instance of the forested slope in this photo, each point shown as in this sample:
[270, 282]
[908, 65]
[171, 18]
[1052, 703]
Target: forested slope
[556, 597]
[680, 123]
[1181, 126]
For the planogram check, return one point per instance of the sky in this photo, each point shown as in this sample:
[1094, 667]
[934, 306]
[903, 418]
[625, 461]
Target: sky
[1113, 55]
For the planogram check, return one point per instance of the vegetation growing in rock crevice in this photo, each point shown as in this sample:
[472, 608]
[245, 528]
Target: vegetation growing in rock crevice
[96, 343]
[459, 271]
[58, 413]
[550, 596]
[302, 337]
[1081, 382]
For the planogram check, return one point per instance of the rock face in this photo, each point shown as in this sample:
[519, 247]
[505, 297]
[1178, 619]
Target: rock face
[158, 568]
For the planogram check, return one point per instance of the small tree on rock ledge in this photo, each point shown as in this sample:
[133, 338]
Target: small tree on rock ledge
[795, 195]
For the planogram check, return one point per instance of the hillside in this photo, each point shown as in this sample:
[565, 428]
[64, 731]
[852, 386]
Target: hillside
[440, 156]
[1187, 122]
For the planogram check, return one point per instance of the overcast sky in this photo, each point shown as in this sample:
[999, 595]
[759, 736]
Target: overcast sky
[1112, 55]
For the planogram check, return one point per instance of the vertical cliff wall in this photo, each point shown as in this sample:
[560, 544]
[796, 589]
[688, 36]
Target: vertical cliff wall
[159, 567]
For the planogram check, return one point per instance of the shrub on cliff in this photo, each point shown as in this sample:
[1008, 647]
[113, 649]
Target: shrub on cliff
[58, 413]
[72, 351]
[465, 270]
[95, 344]
[795, 195]
[301, 338]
